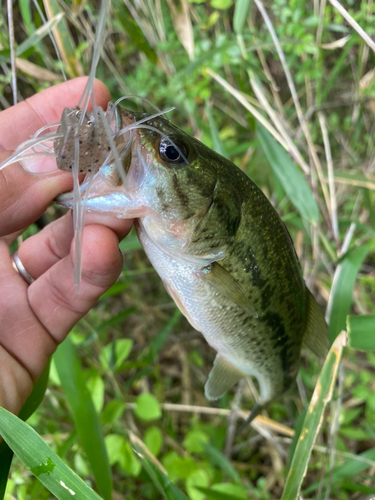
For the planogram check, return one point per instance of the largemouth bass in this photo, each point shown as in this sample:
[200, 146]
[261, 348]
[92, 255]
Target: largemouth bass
[221, 249]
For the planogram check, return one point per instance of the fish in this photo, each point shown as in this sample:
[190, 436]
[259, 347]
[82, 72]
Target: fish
[219, 246]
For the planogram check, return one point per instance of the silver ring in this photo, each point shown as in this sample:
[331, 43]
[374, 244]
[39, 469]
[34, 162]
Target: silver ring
[20, 268]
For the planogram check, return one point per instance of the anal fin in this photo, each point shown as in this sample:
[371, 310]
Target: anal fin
[221, 378]
[315, 336]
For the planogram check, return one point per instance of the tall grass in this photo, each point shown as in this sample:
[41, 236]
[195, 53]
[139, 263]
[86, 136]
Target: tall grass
[286, 91]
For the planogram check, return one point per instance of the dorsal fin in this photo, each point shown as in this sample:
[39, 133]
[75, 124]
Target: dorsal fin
[315, 336]
[221, 378]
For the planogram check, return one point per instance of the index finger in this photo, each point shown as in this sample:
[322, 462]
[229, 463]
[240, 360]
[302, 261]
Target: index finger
[23, 198]
[19, 122]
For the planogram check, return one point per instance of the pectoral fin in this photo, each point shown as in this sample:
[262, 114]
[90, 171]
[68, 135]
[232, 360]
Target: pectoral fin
[316, 333]
[221, 378]
[223, 282]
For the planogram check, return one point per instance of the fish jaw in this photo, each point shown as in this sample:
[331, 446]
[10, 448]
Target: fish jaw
[112, 190]
[105, 198]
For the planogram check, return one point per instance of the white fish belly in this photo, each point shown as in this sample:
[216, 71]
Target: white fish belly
[212, 314]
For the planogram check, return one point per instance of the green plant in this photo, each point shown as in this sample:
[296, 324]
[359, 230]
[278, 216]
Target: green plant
[292, 103]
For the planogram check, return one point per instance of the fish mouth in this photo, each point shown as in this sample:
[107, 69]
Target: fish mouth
[113, 188]
[106, 181]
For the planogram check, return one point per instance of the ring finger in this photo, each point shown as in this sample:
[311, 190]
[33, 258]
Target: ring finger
[41, 251]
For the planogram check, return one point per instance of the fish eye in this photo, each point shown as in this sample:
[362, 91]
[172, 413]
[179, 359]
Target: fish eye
[175, 152]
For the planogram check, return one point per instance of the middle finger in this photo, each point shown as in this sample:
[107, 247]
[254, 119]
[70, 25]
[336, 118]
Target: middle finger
[41, 251]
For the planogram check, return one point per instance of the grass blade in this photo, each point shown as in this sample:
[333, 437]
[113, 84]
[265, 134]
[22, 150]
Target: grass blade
[6, 457]
[38, 457]
[241, 10]
[134, 31]
[217, 458]
[322, 395]
[85, 416]
[64, 40]
[357, 179]
[291, 178]
[361, 332]
[26, 14]
[37, 395]
[342, 289]
[39, 34]
[350, 469]
[217, 144]
[162, 336]
[32, 403]
[160, 480]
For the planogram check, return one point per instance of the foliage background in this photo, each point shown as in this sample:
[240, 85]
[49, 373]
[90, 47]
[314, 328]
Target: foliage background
[136, 353]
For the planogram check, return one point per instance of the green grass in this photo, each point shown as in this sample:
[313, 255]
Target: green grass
[216, 74]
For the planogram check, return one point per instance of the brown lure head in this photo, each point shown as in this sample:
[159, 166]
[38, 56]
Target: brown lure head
[85, 133]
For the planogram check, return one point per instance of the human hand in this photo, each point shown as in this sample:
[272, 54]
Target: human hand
[35, 319]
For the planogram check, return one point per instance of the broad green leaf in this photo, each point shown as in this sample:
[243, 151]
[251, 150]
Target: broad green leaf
[195, 440]
[129, 460]
[237, 491]
[179, 467]
[290, 176]
[217, 144]
[358, 488]
[160, 480]
[38, 457]
[153, 439]
[342, 289]
[64, 40]
[197, 479]
[32, 403]
[120, 451]
[147, 407]
[350, 469]
[112, 412]
[218, 459]
[353, 466]
[213, 494]
[221, 4]
[115, 353]
[241, 11]
[95, 385]
[113, 443]
[355, 433]
[85, 416]
[361, 332]
[313, 420]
